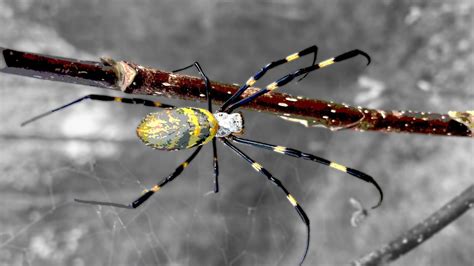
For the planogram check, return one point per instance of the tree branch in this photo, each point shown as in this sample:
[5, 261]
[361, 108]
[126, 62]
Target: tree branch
[421, 232]
[136, 79]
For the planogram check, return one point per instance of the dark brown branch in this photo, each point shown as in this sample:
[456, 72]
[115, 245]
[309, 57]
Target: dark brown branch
[135, 79]
[421, 232]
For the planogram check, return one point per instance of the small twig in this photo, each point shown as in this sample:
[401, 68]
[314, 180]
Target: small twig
[136, 79]
[421, 232]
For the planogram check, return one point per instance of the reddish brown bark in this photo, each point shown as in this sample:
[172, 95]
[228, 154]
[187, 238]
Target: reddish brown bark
[136, 79]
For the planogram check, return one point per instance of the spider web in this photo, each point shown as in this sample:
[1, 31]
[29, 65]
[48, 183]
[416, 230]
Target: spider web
[83, 153]
[184, 223]
[90, 156]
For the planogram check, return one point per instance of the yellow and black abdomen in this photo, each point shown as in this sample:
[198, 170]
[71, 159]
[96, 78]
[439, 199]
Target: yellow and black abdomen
[179, 128]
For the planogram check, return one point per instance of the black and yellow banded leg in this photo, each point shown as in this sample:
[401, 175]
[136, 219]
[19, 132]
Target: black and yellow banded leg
[252, 80]
[302, 71]
[149, 192]
[105, 98]
[314, 158]
[207, 83]
[259, 168]
[215, 165]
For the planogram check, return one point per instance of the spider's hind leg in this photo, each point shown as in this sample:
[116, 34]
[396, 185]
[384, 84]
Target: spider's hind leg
[104, 98]
[299, 154]
[259, 168]
[149, 192]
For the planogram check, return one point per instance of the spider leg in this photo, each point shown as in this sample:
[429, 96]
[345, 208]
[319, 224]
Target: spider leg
[252, 80]
[215, 166]
[105, 98]
[278, 183]
[215, 163]
[206, 82]
[310, 157]
[149, 192]
[302, 71]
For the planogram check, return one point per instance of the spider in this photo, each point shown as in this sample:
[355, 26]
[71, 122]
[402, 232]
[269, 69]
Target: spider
[179, 128]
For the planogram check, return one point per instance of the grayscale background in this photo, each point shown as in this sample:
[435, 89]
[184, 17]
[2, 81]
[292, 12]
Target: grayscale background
[422, 60]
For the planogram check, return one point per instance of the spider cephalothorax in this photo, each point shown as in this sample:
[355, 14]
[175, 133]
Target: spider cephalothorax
[187, 127]
[229, 124]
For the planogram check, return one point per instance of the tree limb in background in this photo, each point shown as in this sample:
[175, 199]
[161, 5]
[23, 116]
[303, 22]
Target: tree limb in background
[132, 78]
[421, 232]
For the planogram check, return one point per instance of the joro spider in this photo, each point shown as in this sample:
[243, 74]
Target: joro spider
[178, 128]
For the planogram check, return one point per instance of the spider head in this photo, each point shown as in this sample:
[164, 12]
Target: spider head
[229, 123]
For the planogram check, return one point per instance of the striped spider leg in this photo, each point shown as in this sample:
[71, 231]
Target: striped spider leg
[105, 98]
[252, 80]
[148, 192]
[207, 83]
[302, 71]
[259, 168]
[310, 157]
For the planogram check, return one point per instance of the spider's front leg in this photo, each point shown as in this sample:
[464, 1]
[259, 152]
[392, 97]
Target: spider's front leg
[253, 79]
[149, 192]
[300, 72]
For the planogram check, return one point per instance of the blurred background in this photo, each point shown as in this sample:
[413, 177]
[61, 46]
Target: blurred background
[422, 59]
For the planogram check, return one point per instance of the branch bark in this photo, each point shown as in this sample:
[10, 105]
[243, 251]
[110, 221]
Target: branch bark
[420, 232]
[135, 79]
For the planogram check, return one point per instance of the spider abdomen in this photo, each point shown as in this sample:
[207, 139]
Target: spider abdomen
[177, 129]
